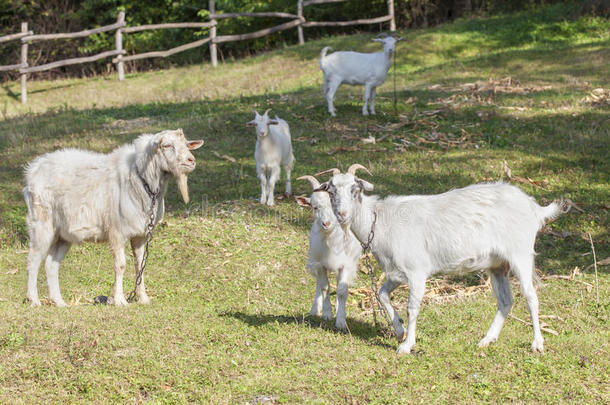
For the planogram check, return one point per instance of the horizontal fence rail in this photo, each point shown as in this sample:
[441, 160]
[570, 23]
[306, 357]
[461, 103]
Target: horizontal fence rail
[298, 20]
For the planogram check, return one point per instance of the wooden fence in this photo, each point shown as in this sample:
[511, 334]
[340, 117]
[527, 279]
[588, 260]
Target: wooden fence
[298, 20]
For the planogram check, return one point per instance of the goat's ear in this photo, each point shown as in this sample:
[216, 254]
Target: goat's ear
[323, 187]
[365, 185]
[303, 201]
[251, 123]
[194, 144]
[399, 39]
[273, 122]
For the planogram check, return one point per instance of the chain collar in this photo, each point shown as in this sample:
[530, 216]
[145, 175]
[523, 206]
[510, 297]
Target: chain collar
[366, 246]
[153, 195]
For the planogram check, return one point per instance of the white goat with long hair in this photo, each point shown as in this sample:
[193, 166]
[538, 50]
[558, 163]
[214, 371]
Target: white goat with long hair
[273, 149]
[330, 250]
[489, 227]
[75, 195]
[349, 67]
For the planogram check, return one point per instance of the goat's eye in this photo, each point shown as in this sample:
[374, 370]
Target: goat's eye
[168, 146]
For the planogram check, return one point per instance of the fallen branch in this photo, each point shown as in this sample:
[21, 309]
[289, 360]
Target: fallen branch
[543, 326]
[225, 157]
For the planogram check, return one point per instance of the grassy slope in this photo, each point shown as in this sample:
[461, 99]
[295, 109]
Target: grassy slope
[230, 293]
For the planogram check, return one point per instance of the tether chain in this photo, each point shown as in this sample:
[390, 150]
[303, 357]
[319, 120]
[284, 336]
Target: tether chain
[367, 261]
[149, 235]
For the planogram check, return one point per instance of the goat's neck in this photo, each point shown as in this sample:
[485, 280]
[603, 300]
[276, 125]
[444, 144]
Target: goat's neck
[335, 239]
[151, 172]
[362, 219]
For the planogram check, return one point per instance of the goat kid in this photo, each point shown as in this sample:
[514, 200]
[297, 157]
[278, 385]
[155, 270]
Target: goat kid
[75, 195]
[331, 249]
[489, 227]
[353, 68]
[273, 149]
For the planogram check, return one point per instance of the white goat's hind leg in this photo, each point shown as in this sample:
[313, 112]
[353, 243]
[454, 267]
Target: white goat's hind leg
[117, 297]
[367, 96]
[372, 100]
[501, 287]
[316, 307]
[138, 246]
[384, 296]
[330, 96]
[417, 287]
[273, 178]
[327, 310]
[56, 254]
[41, 238]
[342, 292]
[524, 269]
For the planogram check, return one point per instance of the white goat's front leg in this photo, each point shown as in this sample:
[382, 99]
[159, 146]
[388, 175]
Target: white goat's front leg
[138, 247]
[367, 96]
[41, 239]
[262, 175]
[342, 292]
[273, 178]
[333, 85]
[56, 254]
[372, 100]
[321, 302]
[117, 297]
[384, 296]
[501, 287]
[417, 287]
[288, 170]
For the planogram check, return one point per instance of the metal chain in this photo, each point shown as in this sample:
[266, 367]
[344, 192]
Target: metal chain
[149, 235]
[367, 261]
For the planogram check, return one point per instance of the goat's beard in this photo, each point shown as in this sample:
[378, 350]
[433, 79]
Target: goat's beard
[181, 179]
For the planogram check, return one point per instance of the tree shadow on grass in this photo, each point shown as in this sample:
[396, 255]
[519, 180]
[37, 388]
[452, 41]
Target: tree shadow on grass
[357, 328]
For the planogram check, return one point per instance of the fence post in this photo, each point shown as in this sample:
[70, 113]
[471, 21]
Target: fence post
[24, 61]
[119, 46]
[300, 27]
[391, 12]
[213, 55]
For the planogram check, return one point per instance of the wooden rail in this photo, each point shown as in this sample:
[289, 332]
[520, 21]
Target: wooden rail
[298, 20]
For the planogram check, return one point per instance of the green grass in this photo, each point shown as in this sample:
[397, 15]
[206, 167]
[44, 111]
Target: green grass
[228, 322]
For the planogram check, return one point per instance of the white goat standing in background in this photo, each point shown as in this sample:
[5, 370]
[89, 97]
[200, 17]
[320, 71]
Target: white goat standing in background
[488, 227]
[330, 250]
[273, 148]
[348, 67]
[75, 195]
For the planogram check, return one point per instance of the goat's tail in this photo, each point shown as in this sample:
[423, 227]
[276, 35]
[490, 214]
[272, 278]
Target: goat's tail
[323, 53]
[553, 210]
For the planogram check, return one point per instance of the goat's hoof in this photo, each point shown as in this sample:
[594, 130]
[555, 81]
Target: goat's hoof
[402, 336]
[327, 316]
[404, 348]
[537, 346]
[341, 325]
[270, 203]
[144, 300]
[365, 113]
[34, 302]
[60, 303]
[486, 341]
[119, 301]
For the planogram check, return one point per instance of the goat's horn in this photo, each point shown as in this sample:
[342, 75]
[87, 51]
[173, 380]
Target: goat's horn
[352, 169]
[312, 180]
[267, 110]
[381, 35]
[254, 111]
[334, 171]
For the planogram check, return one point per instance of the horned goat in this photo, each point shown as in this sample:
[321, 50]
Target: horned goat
[488, 227]
[273, 148]
[330, 250]
[349, 67]
[75, 195]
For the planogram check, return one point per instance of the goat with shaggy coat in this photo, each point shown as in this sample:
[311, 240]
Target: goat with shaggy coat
[490, 227]
[75, 195]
